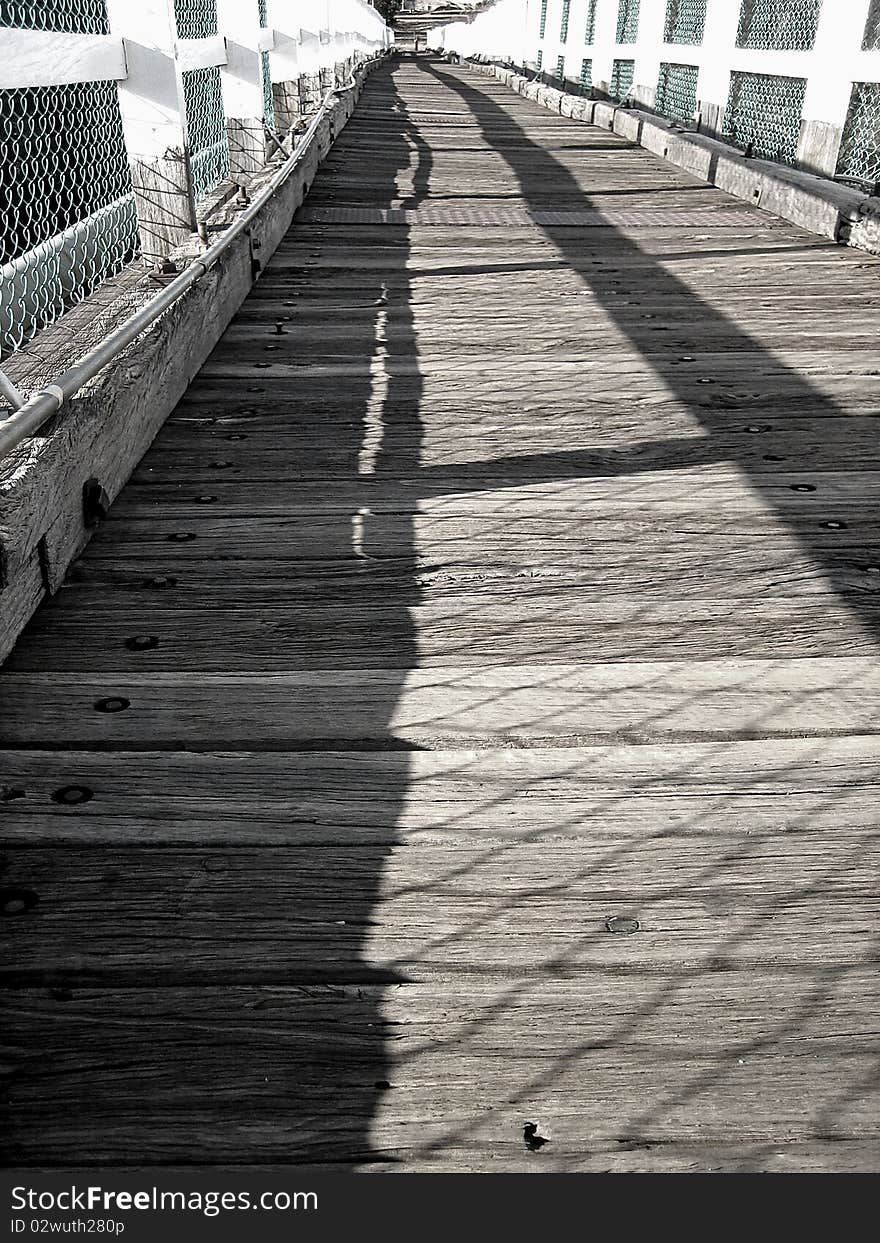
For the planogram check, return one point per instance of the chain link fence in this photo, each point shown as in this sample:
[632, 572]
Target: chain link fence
[627, 21]
[590, 32]
[586, 79]
[859, 158]
[685, 21]
[76, 17]
[622, 73]
[763, 114]
[543, 25]
[69, 220]
[563, 26]
[266, 73]
[195, 19]
[778, 25]
[677, 91]
[207, 139]
[871, 39]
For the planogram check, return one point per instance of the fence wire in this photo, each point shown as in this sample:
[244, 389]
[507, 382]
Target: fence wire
[859, 158]
[266, 72]
[627, 21]
[685, 21]
[778, 25]
[590, 32]
[677, 91]
[206, 129]
[543, 25]
[764, 114]
[76, 17]
[196, 19]
[586, 80]
[871, 40]
[563, 26]
[622, 74]
[69, 219]
[268, 98]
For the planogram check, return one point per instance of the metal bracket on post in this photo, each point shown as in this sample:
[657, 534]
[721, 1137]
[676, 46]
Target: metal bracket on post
[15, 398]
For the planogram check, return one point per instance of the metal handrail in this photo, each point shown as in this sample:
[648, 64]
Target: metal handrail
[39, 408]
[10, 392]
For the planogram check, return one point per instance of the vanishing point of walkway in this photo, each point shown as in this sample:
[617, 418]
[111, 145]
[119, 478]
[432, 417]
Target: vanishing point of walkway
[462, 733]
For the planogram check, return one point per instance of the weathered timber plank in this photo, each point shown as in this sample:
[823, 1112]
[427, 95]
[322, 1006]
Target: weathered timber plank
[527, 705]
[213, 634]
[562, 796]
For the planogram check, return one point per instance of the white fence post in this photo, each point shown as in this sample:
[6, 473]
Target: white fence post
[154, 124]
[284, 63]
[243, 84]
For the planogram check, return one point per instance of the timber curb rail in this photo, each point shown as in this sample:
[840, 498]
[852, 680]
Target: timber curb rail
[822, 206]
[90, 447]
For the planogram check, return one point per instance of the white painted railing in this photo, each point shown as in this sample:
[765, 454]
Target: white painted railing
[166, 99]
[552, 35]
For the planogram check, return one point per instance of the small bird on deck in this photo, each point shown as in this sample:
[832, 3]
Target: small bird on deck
[532, 1140]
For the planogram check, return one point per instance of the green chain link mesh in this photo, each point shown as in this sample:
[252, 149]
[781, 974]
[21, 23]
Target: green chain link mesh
[627, 21]
[859, 157]
[586, 75]
[780, 25]
[196, 19]
[69, 218]
[764, 114]
[266, 71]
[622, 73]
[268, 98]
[590, 32]
[685, 21]
[84, 17]
[206, 129]
[871, 40]
[677, 91]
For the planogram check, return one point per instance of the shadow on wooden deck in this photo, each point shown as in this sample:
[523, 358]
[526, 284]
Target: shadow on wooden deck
[202, 989]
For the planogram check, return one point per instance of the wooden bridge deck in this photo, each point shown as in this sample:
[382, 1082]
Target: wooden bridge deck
[494, 580]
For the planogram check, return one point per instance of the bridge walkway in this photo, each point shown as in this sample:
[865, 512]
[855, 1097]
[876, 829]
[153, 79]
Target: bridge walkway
[458, 747]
